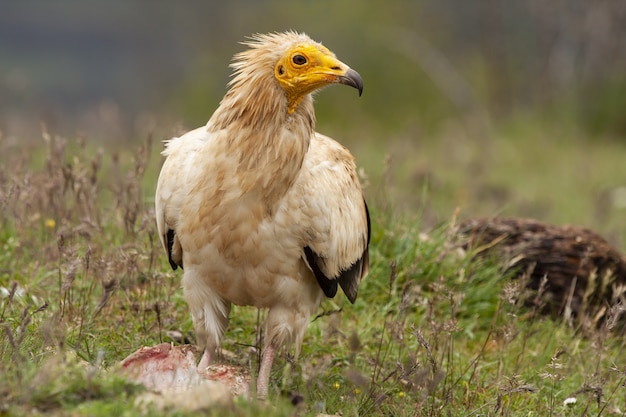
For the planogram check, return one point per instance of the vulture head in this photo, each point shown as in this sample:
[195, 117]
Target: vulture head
[299, 66]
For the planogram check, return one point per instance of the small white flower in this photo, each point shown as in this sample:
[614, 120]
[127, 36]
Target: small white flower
[569, 402]
[19, 292]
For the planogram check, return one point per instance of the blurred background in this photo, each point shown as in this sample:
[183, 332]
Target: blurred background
[491, 107]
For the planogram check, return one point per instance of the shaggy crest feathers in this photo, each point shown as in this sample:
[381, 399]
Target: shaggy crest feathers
[265, 48]
[253, 81]
[254, 96]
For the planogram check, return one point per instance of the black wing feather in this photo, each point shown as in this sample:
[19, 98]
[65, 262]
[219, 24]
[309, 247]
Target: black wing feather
[329, 286]
[348, 279]
[169, 238]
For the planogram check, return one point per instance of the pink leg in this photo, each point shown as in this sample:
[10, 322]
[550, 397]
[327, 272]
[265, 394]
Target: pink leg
[263, 381]
[205, 361]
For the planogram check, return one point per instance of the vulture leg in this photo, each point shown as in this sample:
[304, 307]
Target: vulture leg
[205, 360]
[265, 369]
[209, 312]
[285, 326]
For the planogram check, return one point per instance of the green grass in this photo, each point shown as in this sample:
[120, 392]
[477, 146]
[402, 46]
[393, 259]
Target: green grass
[433, 332]
[554, 174]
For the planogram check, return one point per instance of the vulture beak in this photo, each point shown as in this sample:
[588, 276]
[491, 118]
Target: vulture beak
[353, 79]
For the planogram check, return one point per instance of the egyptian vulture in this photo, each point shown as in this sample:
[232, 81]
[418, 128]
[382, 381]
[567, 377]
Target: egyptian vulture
[260, 209]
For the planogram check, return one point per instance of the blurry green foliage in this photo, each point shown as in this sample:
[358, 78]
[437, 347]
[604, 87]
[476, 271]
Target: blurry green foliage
[425, 63]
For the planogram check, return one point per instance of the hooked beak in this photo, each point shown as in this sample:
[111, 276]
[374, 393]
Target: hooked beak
[353, 79]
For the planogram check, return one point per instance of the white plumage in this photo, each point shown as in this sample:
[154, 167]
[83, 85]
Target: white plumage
[258, 208]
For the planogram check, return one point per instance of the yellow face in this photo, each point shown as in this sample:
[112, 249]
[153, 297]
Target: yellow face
[306, 68]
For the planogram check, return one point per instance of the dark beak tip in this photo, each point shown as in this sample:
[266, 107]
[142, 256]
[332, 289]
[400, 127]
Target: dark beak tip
[353, 79]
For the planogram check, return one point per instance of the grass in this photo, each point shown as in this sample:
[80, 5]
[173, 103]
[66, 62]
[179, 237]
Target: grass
[434, 332]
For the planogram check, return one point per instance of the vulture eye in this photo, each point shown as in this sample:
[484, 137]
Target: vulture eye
[298, 59]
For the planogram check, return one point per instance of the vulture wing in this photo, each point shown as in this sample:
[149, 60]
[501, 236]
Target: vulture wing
[338, 225]
[171, 189]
